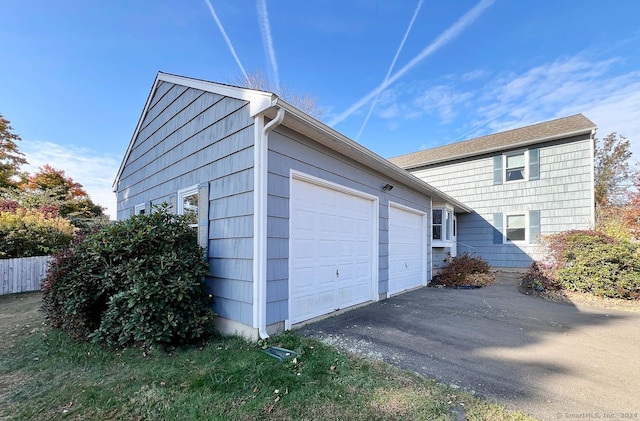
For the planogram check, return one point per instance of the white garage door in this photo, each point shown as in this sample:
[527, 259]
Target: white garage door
[331, 250]
[407, 249]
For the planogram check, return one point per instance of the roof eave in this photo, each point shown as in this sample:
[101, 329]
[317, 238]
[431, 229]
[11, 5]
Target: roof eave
[327, 136]
[502, 148]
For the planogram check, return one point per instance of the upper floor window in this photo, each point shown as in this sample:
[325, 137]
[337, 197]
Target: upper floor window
[515, 167]
[188, 205]
[523, 165]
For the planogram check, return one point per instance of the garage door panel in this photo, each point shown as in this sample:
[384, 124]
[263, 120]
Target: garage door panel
[407, 253]
[340, 227]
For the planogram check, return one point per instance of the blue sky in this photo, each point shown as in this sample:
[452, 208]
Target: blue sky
[76, 74]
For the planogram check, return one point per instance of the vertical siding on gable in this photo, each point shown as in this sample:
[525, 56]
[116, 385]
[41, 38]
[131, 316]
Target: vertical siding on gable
[562, 194]
[189, 137]
[289, 150]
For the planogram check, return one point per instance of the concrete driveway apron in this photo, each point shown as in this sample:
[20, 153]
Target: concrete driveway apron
[551, 360]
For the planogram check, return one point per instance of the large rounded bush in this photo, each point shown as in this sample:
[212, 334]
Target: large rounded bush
[591, 262]
[138, 281]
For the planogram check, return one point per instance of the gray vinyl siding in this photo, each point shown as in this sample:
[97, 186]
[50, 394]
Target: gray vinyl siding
[189, 137]
[562, 194]
[289, 150]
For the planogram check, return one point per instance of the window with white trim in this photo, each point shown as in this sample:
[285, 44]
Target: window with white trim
[515, 166]
[188, 205]
[139, 209]
[437, 224]
[516, 227]
[442, 224]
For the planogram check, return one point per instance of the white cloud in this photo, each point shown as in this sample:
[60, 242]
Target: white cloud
[441, 100]
[564, 87]
[94, 171]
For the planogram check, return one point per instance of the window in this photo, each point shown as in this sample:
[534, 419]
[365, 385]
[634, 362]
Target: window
[514, 168]
[442, 224]
[437, 224]
[140, 209]
[188, 205]
[516, 227]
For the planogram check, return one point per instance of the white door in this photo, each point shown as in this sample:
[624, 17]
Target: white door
[330, 249]
[407, 249]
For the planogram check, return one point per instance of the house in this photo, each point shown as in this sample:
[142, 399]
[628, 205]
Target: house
[297, 220]
[521, 184]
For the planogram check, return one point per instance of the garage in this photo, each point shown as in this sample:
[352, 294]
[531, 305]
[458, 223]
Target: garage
[333, 247]
[407, 248]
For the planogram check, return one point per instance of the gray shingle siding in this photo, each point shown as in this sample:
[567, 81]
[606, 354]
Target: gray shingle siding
[562, 195]
[189, 137]
[289, 150]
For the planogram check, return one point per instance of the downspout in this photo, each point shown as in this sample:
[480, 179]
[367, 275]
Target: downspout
[261, 227]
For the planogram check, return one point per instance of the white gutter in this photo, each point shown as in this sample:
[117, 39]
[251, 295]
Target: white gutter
[260, 220]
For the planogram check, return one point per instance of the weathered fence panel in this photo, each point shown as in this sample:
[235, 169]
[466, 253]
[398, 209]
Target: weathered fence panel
[23, 274]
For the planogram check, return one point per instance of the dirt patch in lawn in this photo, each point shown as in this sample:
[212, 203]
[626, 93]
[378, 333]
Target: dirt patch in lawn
[19, 315]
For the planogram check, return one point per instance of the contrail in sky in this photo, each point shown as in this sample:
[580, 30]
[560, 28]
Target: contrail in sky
[227, 40]
[263, 18]
[442, 39]
[393, 63]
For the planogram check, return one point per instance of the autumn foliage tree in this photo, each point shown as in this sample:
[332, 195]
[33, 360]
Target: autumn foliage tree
[50, 186]
[617, 199]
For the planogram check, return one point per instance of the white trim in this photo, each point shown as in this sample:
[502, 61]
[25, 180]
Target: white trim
[425, 232]
[187, 192]
[259, 220]
[139, 207]
[505, 217]
[442, 242]
[525, 172]
[375, 230]
[258, 100]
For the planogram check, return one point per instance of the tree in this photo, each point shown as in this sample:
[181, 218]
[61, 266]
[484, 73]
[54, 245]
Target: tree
[304, 102]
[613, 170]
[53, 187]
[10, 157]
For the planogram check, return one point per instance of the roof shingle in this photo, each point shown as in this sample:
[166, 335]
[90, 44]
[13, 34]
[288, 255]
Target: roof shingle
[524, 136]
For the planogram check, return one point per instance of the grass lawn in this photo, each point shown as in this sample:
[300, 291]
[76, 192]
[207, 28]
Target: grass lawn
[44, 376]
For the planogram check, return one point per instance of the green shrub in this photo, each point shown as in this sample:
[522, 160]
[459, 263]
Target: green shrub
[26, 233]
[465, 270]
[138, 281]
[592, 262]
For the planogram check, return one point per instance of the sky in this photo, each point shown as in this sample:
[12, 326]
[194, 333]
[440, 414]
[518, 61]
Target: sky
[397, 76]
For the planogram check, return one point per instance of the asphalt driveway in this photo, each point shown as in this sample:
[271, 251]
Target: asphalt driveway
[551, 360]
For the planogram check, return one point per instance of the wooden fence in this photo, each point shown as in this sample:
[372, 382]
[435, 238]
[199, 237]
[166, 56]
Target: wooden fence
[22, 275]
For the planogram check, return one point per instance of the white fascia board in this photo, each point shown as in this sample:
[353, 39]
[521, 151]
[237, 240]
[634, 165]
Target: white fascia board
[325, 135]
[258, 100]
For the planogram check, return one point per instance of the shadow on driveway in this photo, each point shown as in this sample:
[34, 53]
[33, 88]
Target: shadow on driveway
[551, 360]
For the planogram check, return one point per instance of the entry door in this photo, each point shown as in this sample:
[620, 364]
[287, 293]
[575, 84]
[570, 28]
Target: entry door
[331, 249]
[407, 249]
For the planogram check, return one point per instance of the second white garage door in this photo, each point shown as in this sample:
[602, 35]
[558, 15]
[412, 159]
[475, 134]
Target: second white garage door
[331, 249]
[407, 249]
